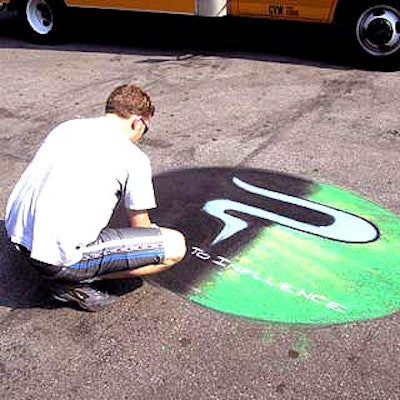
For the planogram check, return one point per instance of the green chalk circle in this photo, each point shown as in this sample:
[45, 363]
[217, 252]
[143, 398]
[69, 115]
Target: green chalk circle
[279, 248]
[292, 276]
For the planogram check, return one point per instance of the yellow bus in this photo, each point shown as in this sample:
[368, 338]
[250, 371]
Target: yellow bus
[372, 25]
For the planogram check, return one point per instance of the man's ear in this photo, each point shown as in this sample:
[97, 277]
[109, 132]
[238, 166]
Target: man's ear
[133, 122]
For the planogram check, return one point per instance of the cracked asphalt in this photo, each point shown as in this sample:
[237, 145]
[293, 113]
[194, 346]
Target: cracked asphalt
[282, 101]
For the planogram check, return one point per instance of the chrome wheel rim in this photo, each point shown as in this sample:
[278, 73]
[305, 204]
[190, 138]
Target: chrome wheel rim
[378, 30]
[39, 16]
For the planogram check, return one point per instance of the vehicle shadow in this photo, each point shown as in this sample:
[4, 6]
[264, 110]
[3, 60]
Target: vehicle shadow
[165, 34]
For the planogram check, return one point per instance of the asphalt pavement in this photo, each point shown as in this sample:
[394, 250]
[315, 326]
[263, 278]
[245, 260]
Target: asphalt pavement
[288, 103]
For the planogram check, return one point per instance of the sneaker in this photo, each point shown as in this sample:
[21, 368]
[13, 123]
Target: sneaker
[85, 296]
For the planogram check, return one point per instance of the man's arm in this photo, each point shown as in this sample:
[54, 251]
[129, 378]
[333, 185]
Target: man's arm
[139, 218]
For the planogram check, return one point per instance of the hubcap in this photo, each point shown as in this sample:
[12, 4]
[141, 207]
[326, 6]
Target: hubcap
[39, 16]
[378, 30]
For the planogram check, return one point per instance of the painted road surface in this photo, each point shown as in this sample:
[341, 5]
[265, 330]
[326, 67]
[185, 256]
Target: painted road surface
[276, 299]
[277, 248]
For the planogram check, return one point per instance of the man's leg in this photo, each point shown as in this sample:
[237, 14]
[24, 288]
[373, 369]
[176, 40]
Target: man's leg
[174, 251]
[117, 254]
[120, 254]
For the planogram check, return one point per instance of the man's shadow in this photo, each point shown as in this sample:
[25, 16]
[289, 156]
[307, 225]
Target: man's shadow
[21, 286]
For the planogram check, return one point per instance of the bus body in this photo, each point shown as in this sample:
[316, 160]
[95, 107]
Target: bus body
[372, 26]
[308, 10]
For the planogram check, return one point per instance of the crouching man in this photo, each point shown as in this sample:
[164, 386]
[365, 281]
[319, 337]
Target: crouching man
[58, 213]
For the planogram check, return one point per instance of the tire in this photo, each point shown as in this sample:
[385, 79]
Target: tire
[375, 28]
[42, 21]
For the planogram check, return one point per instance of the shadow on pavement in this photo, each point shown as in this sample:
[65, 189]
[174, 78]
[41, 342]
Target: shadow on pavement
[22, 287]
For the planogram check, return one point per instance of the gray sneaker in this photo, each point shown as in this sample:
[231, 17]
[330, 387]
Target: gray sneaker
[85, 296]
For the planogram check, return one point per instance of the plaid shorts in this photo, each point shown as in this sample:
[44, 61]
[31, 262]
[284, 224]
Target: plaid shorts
[114, 250]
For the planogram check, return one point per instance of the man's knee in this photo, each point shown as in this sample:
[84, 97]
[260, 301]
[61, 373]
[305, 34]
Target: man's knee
[174, 244]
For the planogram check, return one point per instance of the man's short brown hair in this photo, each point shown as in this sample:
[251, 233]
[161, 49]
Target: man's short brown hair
[127, 100]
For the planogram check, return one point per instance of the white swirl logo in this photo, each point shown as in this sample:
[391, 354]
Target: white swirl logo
[345, 227]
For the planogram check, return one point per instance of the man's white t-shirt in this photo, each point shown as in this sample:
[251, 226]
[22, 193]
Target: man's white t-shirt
[68, 193]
